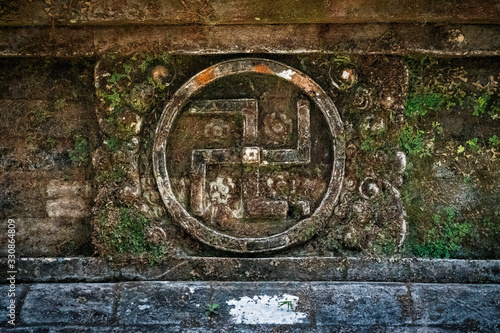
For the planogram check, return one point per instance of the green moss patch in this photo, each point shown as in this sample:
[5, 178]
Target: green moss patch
[452, 186]
[121, 234]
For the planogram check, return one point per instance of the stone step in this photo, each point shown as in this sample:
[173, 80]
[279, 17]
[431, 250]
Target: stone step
[422, 270]
[254, 307]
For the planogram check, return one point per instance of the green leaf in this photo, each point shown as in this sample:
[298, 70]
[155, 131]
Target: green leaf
[494, 141]
[473, 144]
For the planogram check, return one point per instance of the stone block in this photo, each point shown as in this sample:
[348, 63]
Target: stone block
[49, 154]
[171, 12]
[43, 117]
[42, 41]
[22, 195]
[359, 304]
[42, 237]
[459, 305]
[26, 79]
[19, 291]
[67, 199]
[70, 304]
[165, 303]
[377, 305]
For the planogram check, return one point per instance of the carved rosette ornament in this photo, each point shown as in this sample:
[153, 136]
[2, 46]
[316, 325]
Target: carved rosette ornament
[371, 215]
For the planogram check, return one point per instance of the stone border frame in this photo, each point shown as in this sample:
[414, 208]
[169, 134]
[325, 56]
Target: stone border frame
[301, 231]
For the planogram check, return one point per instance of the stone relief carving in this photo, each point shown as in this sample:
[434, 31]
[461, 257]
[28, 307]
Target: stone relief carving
[261, 167]
[266, 192]
[371, 212]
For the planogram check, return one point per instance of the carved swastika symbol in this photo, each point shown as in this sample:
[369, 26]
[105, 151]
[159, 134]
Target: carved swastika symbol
[255, 205]
[249, 156]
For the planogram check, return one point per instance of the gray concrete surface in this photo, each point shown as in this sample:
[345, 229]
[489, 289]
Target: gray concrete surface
[89, 269]
[255, 307]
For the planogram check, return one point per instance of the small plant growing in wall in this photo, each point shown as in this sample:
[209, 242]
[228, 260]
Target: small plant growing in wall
[446, 235]
[212, 310]
[288, 304]
[481, 104]
[80, 155]
[494, 141]
[412, 141]
[473, 144]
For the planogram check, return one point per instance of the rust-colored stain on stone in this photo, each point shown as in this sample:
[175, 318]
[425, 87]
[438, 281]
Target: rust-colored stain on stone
[205, 77]
[305, 83]
[264, 69]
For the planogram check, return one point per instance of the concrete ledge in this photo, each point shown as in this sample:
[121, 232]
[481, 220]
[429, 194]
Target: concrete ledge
[453, 40]
[263, 269]
[255, 307]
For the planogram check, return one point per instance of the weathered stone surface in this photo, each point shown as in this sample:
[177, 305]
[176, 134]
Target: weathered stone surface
[42, 117]
[126, 329]
[27, 330]
[46, 237]
[210, 328]
[459, 305]
[18, 155]
[255, 307]
[44, 227]
[434, 40]
[80, 304]
[214, 12]
[46, 132]
[22, 195]
[5, 290]
[68, 199]
[350, 39]
[419, 305]
[68, 269]
[345, 304]
[265, 269]
[46, 105]
[163, 303]
[60, 42]
[241, 328]
[236, 212]
[46, 80]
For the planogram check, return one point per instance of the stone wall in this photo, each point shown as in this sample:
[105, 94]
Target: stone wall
[48, 126]
[85, 86]
[310, 166]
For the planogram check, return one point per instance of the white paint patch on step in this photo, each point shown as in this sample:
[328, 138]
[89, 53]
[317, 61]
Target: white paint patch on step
[266, 310]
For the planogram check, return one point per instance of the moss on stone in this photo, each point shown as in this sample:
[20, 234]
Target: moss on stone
[120, 234]
[447, 189]
[81, 153]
